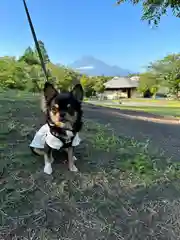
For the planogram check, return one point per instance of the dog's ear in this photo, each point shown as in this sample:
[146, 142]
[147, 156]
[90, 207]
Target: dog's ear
[78, 92]
[49, 91]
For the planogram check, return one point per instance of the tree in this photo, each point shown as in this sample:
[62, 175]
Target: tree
[65, 78]
[168, 72]
[87, 84]
[12, 73]
[71, 79]
[173, 79]
[33, 69]
[153, 10]
[43, 52]
[99, 84]
[35, 78]
[68, 81]
[26, 72]
[29, 57]
[148, 82]
[58, 73]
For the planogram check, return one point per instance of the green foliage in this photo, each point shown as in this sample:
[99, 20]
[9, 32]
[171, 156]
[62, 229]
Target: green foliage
[87, 84]
[43, 52]
[168, 70]
[162, 74]
[93, 85]
[153, 10]
[148, 81]
[99, 84]
[29, 57]
[26, 73]
[12, 73]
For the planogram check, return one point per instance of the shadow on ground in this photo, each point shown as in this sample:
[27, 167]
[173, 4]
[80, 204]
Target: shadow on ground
[163, 137]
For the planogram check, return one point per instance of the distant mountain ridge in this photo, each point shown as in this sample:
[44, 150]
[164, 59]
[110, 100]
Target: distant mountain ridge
[95, 67]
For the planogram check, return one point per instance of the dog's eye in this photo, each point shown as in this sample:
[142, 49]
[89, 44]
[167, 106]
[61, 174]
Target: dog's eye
[54, 108]
[70, 109]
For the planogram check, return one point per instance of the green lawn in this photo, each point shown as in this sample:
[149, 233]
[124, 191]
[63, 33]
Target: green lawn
[162, 111]
[122, 191]
[162, 102]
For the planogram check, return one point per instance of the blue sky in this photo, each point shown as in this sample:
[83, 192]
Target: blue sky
[71, 29]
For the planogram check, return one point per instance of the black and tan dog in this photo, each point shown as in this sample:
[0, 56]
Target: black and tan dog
[63, 123]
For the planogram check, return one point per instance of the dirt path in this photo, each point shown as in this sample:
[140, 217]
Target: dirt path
[162, 136]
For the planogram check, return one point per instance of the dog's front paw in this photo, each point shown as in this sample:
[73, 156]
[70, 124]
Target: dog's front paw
[48, 169]
[73, 168]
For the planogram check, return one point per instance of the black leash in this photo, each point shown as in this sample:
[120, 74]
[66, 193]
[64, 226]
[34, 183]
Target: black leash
[36, 41]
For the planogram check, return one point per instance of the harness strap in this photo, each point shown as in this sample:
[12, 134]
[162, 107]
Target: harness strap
[66, 142]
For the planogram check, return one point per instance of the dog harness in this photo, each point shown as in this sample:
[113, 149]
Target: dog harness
[44, 135]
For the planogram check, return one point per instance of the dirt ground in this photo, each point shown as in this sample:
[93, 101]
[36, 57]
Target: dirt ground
[162, 136]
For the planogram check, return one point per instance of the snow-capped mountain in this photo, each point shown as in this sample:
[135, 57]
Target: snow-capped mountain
[95, 67]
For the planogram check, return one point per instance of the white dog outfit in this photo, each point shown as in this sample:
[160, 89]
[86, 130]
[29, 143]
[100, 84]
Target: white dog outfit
[44, 136]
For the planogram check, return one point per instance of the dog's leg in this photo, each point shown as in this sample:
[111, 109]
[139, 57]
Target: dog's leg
[38, 151]
[71, 164]
[48, 160]
[74, 157]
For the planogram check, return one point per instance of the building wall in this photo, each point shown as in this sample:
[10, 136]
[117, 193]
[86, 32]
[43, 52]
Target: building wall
[118, 93]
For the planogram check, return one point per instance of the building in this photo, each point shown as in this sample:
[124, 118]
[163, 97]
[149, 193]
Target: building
[121, 87]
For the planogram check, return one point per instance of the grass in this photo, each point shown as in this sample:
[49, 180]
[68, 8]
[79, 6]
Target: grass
[158, 102]
[159, 106]
[122, 191]
[164, 102]
[162, 111]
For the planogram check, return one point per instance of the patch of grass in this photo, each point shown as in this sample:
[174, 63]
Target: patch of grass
[158, 102]
[164, 102]
[121, 191]
[158, 110]
[163, 111]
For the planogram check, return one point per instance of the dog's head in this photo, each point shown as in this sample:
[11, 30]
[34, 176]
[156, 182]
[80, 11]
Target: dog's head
[64, 109]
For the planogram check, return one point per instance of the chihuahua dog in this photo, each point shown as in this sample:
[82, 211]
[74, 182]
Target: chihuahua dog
[63, 122]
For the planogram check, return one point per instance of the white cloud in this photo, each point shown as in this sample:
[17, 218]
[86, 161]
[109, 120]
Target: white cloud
[85, 67]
